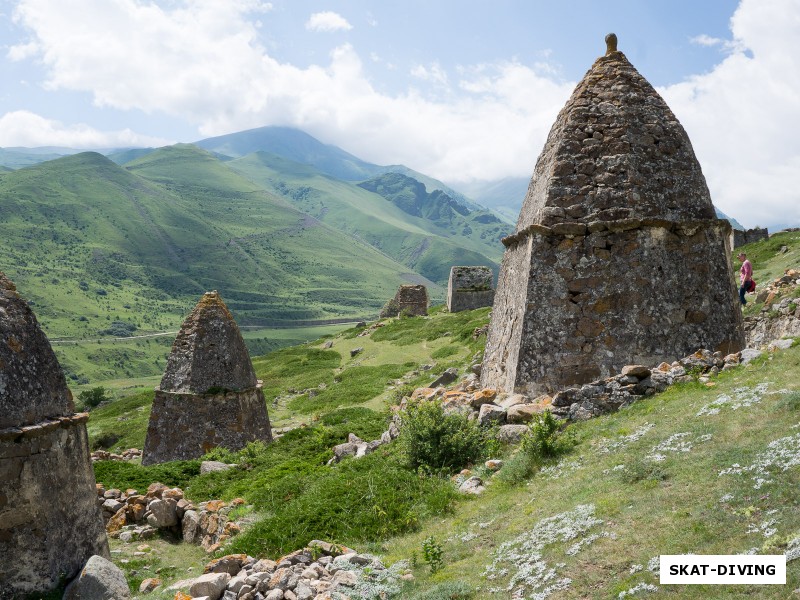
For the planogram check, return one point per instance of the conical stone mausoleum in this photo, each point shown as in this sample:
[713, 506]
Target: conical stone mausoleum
[618, 257]
[50, 524]
[209, 395]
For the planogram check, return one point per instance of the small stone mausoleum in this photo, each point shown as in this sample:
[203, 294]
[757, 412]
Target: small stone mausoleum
[50, 524]
[618, 257]
[469, 288]
[410, 299]
[209, 395]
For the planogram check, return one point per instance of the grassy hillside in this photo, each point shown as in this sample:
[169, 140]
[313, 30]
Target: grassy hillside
[427, 241]
[702, 468]
[705, 468]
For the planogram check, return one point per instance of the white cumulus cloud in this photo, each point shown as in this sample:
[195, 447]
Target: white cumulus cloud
[27, 129]
[327, 21]
[742, 116]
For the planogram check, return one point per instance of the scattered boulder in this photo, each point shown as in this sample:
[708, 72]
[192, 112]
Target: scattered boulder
[100, 579]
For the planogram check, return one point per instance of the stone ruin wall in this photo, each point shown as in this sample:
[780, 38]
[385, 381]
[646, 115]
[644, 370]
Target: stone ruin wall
[740, 238]
[49, 520]
[469, 288]
[409, 299]
[186, 426]
[591, 310]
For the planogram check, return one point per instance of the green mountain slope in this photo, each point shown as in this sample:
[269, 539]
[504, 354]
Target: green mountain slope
[104, 251]
[428, 242]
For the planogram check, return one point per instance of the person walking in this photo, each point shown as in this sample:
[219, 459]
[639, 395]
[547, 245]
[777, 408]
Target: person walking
[745, 276]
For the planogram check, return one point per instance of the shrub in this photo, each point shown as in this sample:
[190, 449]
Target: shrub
[91, 398]
[433, 554]
[435, 441]
[544, 439]
[543, 442]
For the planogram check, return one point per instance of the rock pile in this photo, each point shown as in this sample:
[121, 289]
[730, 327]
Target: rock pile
[131, 516]
[356, 447]
[740, 237]
[411, 300]
[49, 523]
[322, 571]
[209, 395]
[127, 455]
[512, 411]
[780, 315]
[469, 288]
[586, 286]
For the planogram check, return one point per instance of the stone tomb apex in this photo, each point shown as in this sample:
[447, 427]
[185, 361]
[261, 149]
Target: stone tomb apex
[618, 257]
[50, 524]
[209, 395]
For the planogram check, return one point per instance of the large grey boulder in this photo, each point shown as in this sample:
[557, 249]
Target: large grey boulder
[100, 579]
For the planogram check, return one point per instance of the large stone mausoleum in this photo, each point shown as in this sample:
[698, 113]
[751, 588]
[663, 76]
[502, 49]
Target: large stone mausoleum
[618, 257]
[50, 524]
[209, 395]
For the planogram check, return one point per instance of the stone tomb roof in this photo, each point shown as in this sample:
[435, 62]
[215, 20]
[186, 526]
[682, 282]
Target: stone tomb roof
[616, 151]
[32, 385]
[209, 352]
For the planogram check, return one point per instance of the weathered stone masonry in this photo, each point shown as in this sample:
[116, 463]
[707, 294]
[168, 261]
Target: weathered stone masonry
[49, 521]
[469, 288]
[209, 395]
[618, 257]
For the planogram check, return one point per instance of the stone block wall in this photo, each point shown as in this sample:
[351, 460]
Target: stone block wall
[592, 299]
[49, 521]
[469, 288]
[184, 426]
[740, 238]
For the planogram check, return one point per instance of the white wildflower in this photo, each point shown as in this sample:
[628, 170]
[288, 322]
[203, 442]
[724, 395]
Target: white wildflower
[641, 587]
[636, 569]
[532, 576]
[726, 498]
[654, 565]
[781, 455]
[607, 446]
[743, 397]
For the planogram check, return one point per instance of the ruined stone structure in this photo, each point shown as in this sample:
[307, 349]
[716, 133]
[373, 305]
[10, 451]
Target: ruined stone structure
[410, 300]
[469, 288]
[618, 257]
[740, 238]
[50, 524]
[209, 395]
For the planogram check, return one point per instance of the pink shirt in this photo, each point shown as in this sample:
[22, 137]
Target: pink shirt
[746, 272]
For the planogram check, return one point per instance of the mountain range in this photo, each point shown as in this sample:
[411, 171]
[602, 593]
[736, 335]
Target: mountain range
[286, 228]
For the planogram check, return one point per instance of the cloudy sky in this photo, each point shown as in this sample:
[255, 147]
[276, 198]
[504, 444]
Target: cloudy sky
[463, 90]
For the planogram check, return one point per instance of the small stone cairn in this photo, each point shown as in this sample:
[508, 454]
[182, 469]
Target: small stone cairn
[209, 395]
[131, 516]
[469, 288]
[321, 571]
[409, 300]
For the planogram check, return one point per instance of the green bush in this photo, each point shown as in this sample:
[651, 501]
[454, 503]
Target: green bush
[542, 443]
[353, 503]
[91, 398]
[544, 439]
[435, 441]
